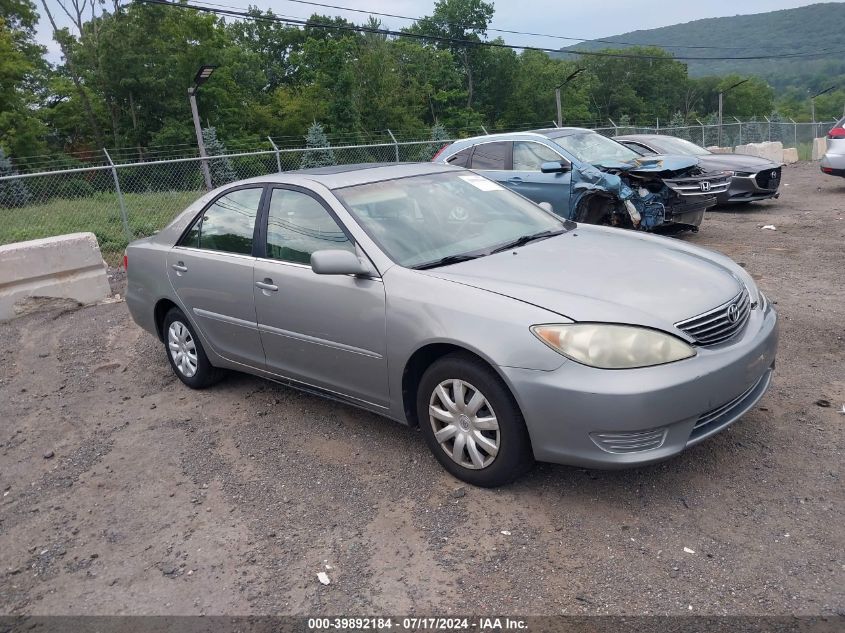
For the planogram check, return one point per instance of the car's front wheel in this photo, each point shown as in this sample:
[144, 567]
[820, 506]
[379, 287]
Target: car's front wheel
[185, 353]
[472, 423]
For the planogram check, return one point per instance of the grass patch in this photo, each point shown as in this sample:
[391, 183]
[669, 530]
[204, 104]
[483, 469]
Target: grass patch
[99, 214]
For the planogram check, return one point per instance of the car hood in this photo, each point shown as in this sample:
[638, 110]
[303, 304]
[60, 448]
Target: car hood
[661, 165]
[736, 162]
[596, 274]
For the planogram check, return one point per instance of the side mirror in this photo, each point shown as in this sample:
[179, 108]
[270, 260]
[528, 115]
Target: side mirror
[338, 262]
[546, 206]
[555, 167]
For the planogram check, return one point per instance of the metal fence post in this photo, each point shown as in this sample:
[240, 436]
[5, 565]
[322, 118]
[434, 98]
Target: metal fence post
[740, 130]
[768, 127]
[615, 127]
[395, 145]
[123, 217]
[276, 150]
[794, 131]
[703, 140]
[484, 129]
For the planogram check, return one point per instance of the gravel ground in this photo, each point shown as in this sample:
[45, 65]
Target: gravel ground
[126, 493]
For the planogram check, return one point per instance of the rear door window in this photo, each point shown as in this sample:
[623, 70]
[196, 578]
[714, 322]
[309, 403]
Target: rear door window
[227, 224]
[461, 159]
[491, 155]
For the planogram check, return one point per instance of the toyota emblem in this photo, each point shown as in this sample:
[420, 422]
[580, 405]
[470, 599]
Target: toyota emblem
[704, 185]
[733, 313]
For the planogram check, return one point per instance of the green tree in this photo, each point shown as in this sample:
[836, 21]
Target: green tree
[464, 20]
[221, 169]
[21, 73]
[318, 151]
[13, 193]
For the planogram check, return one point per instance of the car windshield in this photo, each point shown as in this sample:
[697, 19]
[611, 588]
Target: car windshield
[672, 145]
[420, 220]
[590, 147]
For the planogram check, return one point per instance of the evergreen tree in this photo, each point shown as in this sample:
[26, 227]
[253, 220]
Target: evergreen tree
[222, 171]
[439, 137]
[13, 193]
[678, 127]
[318, 152]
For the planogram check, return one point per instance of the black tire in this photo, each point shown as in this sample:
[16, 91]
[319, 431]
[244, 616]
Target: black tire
[514, 456]
[205, 374]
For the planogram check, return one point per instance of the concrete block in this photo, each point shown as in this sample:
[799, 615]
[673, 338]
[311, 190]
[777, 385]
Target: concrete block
[819, 148]
[790, 155]
[771, 150]
[720, 150]
[66, 267]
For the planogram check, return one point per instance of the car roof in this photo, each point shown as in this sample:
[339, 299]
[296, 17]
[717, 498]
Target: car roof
[640, 137]
[337, 176]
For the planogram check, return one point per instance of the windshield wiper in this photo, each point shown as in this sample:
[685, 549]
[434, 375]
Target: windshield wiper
[449, 259]
[525, 239]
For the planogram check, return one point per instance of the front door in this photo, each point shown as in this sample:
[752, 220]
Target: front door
[210, 270]
[526, 178]
[327, 331]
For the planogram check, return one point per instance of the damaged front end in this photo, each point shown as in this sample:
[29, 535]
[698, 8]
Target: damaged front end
[656, 192]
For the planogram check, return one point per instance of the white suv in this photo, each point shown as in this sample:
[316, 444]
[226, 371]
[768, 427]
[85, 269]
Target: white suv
[833, 162]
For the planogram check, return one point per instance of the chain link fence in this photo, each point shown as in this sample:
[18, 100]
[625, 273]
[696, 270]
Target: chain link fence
[119, 198]
[120, 202]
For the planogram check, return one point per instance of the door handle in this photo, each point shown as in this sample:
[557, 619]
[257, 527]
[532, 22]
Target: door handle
[267, 285]
[180, 267]
[515, 179]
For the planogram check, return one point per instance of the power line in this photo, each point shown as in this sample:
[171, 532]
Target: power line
[464, 42]
[557, 37]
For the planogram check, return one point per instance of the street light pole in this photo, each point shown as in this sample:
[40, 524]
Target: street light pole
[201, 77]
[557, 95]
[721, 99]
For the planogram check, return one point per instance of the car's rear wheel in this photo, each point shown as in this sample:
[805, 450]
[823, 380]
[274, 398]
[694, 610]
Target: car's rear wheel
[185, 353]
[472, 423]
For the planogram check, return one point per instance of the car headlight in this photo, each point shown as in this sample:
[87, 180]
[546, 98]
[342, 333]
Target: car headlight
[610, 346]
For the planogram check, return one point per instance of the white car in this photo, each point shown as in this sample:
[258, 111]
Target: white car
[833, 162]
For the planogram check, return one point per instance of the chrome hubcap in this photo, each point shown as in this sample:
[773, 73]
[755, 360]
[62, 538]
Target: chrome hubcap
[464, 424]
[183, 349]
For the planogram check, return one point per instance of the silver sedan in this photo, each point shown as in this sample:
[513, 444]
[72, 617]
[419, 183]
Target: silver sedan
[435, 297]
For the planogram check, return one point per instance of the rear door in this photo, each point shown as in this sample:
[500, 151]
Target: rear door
[327, 331]
[210, 270]
[493, 160]
[526, 178]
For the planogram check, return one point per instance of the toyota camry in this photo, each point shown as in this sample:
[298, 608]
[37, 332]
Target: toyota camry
[438, 298]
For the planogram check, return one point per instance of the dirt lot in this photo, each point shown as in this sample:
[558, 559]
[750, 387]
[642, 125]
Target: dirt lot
[126, 493]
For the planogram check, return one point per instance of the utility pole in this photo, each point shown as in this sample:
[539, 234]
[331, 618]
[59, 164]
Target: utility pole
[557, 95]
[721, 99]
[201, 77]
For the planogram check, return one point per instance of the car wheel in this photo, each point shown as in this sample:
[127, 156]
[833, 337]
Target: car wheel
[185, 352]
[472, 423]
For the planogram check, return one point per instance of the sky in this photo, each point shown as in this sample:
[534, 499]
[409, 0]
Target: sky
[585, 19]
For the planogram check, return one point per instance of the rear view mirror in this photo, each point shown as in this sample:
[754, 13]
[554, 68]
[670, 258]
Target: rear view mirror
[555, 167]
[338, 262]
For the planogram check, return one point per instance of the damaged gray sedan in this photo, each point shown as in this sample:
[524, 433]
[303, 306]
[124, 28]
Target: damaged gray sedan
[590, 178]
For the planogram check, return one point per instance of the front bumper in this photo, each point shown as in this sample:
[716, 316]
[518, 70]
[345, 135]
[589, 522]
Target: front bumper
[747, 189]
[588, 417]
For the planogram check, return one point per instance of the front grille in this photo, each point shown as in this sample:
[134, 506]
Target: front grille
[768, 178]
[699, 185]
[720, 324]
[726, 413]
[632, 442]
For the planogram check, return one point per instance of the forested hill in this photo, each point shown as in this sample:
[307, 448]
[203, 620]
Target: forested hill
[817, 27]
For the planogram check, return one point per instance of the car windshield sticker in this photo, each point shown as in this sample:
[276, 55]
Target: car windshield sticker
[481, 183]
